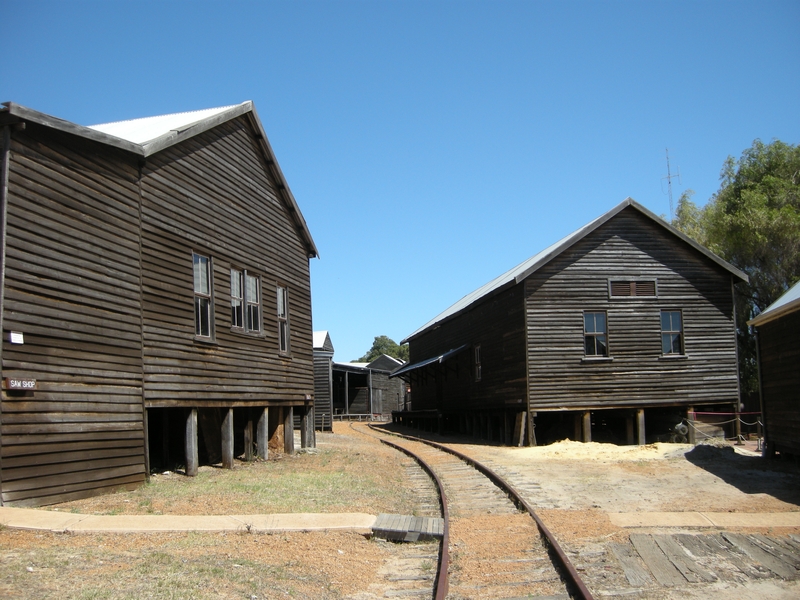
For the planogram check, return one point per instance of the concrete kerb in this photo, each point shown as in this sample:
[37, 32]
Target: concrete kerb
[28, 518]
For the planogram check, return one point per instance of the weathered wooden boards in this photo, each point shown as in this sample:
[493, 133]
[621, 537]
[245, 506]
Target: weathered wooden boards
[679, 559]
[406, 528]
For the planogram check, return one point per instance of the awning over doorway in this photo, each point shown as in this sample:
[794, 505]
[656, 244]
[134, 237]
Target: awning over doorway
[428, 361]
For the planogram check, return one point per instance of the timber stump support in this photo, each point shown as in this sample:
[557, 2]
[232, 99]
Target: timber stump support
[630, 430]
[692, 433]
[307, 433]
[586, 428]
[190, 443]
[227, 439]
[262, 434]
[640, 433]
[248, 437]
[288, 429]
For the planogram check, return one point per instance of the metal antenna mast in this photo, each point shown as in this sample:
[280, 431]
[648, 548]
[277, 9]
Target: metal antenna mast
[669, 179]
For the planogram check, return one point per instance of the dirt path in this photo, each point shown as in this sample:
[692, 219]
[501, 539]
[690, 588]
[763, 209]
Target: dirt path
[573, 486]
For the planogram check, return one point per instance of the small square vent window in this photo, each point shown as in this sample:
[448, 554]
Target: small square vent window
[623, 289]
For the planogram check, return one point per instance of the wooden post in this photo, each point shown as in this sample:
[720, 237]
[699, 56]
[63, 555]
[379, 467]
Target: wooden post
[630, 430]
[692, 433]
[640, 433]
[165, 437]
[288, 430]
[577, 425]
[262, 434]
[532, 428]
[587, 426]
[307, 428]
[248, 437]
[519, 429]
[227, 440]
[737, 425]
[147, 444]
[190, 443]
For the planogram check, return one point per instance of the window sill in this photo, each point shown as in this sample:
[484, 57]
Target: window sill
[205, 341]
[673, 357]
[252, 334]
[596, 359]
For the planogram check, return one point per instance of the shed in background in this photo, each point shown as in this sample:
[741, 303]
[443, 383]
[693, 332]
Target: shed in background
[366, 391]
[323, 381]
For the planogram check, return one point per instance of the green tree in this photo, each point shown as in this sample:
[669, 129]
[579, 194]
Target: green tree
[385, 345]
[753, 222]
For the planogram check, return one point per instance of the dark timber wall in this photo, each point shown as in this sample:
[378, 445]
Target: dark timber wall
[636, 374]
[780, 381]
[72, 287]
[497, 324]
[99, 280]
[211, 195]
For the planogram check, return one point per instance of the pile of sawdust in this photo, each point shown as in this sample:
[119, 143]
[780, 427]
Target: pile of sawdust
[569, 450]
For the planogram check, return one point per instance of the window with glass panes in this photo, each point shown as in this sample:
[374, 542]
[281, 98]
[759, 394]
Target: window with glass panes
[595, 337]
[283, 320]
[203, 305]
[671, 332]
[245, 301]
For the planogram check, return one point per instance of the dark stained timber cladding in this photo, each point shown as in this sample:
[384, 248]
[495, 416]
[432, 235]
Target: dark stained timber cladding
[214, 195]
[780, 381]
[630, 246]
[498, 325]
[72, 288]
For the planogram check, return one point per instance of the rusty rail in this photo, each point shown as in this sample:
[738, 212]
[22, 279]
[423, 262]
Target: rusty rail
[572, 576]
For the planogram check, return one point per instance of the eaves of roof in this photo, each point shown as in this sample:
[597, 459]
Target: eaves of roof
[786, 304]
[537, 261]
[166, 131]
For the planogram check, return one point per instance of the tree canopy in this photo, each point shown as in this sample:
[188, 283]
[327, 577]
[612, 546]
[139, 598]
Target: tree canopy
[385, 345]
[753, 222]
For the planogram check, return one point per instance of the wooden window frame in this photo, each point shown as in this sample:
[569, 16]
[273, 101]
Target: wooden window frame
[636, 288]
[203, 300]
[594, 335]
[284, 326]
[241, 319]
[478, 365]
[671, 332]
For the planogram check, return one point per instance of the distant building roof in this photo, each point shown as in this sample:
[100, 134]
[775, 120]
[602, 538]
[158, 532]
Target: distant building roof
[322, 341]
[788, 303]
[529, 266]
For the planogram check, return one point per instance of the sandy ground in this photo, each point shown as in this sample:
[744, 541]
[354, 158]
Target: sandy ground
[573, 486]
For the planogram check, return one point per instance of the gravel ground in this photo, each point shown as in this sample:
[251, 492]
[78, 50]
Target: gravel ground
[579, 484]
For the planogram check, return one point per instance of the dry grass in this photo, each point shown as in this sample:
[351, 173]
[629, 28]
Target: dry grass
[348, 473]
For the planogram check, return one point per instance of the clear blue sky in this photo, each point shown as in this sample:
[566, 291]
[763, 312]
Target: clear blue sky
[432, 145]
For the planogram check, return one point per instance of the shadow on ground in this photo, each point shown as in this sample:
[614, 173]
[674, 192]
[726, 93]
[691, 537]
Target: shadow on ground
[749, 474]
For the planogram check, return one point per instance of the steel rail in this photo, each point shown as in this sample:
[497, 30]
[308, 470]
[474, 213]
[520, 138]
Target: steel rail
[441, 584]
[574, 579]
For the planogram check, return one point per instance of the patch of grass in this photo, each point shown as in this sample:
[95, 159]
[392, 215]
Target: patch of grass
[336, 478]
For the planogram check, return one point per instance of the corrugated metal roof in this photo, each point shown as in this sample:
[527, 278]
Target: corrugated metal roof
[147, 129]
[525, 268]
[787, 303]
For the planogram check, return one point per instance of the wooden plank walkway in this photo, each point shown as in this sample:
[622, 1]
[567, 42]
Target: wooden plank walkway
[677, 559]
[407, 528]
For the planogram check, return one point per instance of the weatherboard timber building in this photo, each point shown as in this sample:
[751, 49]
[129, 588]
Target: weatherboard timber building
[155, 308]
[624, 317]
[777, 332]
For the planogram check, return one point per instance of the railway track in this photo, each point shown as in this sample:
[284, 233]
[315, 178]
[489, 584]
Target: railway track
[493, 545]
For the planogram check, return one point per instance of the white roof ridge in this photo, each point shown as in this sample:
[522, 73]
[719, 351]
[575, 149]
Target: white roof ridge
[145, 129]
